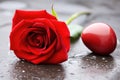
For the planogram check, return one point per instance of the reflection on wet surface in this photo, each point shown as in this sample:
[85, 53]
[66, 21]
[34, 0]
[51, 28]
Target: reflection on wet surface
[81, 65]
[98, 63]
[22, 70]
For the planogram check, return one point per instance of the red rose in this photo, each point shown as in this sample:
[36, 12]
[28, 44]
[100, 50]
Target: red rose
[39, 37]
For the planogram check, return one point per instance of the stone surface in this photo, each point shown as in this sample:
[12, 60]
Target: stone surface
[81, 65]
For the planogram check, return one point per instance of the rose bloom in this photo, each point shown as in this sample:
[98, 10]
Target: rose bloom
[38, 37]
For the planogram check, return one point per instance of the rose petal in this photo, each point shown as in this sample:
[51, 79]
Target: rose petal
[22, 29]
[22, 15]
[58, 57]
[25, 55]
[64, 33]
[35, 40]
[42, 25]
[15, 35]
[45, 54]
[57, 39]
[51, 26]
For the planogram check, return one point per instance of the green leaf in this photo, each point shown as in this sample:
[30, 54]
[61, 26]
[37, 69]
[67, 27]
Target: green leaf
[54, 13]
[75, 31]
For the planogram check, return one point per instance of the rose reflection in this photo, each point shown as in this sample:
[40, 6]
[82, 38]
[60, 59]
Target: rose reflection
[98, 64]
[26, 71]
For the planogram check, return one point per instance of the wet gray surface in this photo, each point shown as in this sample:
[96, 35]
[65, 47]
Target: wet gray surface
[81, 65]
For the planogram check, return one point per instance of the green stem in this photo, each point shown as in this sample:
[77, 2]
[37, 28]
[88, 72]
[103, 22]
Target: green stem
[76, 15]
[54, 13]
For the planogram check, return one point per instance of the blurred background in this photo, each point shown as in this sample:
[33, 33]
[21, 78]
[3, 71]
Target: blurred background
[81, 65]
[64, 8]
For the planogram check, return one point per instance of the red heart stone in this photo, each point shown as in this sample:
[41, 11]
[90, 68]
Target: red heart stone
[100, 38]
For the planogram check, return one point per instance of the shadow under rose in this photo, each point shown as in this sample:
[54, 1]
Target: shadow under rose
[98, 64]
[26, 71]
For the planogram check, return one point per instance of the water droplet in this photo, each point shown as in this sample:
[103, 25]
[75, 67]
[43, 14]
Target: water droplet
[103, 58]
[93, 57]
[87, 59]
[23, 71]
[106, 61]
[22, 62]
[58, 70]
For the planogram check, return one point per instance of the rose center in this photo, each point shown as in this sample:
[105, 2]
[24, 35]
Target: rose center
[36, 40]
[39, 41]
